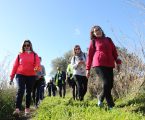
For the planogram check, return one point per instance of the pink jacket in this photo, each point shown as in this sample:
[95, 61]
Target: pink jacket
[105, 54]
[25, 64]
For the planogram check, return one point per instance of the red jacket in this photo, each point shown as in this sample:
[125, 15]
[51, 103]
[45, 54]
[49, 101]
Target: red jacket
[105, 54]
[25, 64]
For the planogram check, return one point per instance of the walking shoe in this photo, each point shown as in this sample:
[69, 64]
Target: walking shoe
[100, 104]
[16, 113]
[110, 108]
[27, 111]
[36, 106]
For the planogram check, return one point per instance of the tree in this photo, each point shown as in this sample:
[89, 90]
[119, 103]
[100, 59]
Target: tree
[61, 62]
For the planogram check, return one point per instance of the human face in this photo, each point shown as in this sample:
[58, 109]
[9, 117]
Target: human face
[27, 46]
[77, 49]
[97, 32]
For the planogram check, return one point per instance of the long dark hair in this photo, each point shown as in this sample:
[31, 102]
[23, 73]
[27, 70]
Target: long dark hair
[22, 48]
[92, 36]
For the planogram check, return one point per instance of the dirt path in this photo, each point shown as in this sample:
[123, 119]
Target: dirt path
[22, 115]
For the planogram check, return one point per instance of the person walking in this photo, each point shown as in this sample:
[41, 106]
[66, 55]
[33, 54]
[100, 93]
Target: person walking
[71, 82]
[40, 80]
[42, 90]
[102, 55]
[60, 78]
[51, 87]
[78, 63]
[25, 67]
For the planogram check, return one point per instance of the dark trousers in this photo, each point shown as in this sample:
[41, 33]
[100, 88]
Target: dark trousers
[81, 83]
[24, 83]
[36, 91]
[106, 74]
[42, 92]
[51, 89]
[42, 86]
[73, 85]
[62, 90]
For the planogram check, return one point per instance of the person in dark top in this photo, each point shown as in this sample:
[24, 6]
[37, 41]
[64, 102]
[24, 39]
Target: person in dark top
[71, 82]
[51, 87]
[40, 80]
[42, 91]
[60, 82]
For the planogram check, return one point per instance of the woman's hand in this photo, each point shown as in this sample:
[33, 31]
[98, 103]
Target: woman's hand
[87, 73]
[38, 68]
[11, 82]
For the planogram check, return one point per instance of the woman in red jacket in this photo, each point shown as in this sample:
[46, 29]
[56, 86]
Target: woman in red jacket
[25, 67]
[102, 55]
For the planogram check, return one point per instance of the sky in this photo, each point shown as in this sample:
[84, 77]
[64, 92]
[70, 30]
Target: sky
[55, 26]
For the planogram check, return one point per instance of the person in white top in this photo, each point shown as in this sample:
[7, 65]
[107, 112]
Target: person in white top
[78, 62]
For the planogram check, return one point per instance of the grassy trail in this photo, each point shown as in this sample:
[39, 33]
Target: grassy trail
[56, 108]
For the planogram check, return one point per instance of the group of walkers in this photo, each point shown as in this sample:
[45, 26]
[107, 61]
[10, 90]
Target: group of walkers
[101, 56]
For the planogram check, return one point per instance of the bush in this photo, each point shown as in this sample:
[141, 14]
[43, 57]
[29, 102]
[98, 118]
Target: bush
[7, 101]
[130, 79]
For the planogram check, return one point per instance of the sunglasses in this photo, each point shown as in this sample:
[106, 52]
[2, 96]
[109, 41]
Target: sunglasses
[27, 45]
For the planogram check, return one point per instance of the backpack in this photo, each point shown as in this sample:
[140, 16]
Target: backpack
[74, 58]
[34, 58]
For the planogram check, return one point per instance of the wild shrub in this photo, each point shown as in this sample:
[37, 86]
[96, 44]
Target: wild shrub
[7, 93]
[7, 101]
[130, 79]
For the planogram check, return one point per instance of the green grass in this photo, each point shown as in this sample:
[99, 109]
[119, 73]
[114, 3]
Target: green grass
[131, 107]
[56, 108]
[7, 98]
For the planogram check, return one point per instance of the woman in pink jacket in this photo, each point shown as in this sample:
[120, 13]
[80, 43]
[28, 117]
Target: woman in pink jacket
[25, 67]
[102, 55]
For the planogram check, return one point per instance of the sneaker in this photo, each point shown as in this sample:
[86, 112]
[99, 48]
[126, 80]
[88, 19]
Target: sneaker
[81, 99]
[27, 111]
[36, 106]
[16, 113]
[110, 108]
[100, 104]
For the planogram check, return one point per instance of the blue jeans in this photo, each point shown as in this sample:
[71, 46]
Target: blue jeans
[24, 83]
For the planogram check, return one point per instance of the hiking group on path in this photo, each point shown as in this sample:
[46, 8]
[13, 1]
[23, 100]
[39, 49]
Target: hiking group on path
[30, 74]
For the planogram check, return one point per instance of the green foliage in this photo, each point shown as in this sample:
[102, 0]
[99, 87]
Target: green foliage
[133, 102]
[61, 62]
[130, 78]
[56, 108]
[7, 103]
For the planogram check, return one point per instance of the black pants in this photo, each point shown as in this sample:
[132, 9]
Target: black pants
[81, 83]
[106, 74]
[24, 83]
[62, 90]
[42, 89]
[36, 91]
[73, 85]
[51, 89]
